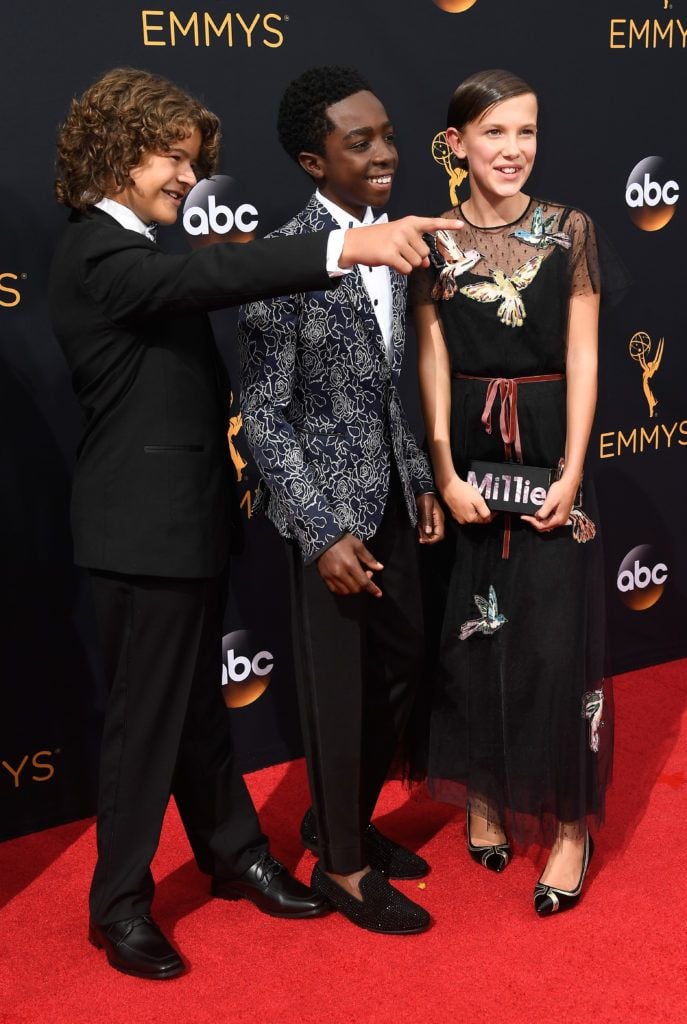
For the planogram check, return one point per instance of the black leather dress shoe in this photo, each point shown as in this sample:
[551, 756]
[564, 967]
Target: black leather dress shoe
[137, 946]
[268, 885]
[388, 857]
[382, 909]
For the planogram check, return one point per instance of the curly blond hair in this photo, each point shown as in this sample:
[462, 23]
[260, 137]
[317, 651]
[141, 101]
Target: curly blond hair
[122, 116]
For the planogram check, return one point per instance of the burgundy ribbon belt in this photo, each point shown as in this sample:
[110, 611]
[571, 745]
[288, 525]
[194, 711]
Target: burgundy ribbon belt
[507, 390]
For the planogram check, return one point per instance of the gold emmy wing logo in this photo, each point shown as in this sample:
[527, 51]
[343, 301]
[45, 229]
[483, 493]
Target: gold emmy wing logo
[640, 350]
[455, 6]
[237, 459]
[235, 428]
[445, 157]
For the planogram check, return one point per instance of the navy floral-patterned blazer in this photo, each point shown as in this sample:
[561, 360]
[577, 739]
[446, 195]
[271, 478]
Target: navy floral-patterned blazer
[321, 409]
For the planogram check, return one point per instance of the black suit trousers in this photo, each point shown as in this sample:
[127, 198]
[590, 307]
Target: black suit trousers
[166, 732]
[358, 661]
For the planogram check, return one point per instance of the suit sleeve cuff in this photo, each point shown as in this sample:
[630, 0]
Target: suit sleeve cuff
[335, 244]
[311, 559]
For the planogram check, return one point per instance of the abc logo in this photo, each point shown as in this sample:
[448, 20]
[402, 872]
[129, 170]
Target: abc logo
[245, 673]
[651, 195]
[455, 6]
[641, 578]
[216, 210]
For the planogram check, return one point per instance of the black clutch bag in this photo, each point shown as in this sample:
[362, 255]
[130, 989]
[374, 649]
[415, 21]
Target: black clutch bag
[512, 487]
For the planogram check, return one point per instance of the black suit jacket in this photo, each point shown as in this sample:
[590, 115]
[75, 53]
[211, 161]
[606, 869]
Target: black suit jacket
[152, 490]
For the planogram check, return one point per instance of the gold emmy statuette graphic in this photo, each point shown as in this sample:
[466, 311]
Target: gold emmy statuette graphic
[443, 154]
[455, 6]
[235, 428]
[639, 348]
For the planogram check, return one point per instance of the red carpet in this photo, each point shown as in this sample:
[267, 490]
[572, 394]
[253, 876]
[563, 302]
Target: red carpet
[618, 957]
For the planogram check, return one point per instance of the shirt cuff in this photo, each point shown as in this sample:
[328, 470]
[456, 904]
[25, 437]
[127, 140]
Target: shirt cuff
[335, 244]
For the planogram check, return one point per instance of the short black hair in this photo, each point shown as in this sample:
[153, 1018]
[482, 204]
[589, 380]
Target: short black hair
[302, 122]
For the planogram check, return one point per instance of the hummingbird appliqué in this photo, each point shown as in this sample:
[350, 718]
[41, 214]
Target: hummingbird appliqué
[539, 234]
[592, 710]
[505, 290]
[452, 262]
[490, 620]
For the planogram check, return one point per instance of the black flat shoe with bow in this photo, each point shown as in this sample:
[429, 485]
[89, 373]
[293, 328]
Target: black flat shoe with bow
[550, 900]
[495, 857]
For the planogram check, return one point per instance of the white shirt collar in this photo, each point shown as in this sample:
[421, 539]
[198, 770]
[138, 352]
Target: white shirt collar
[345, 219]
[124, 216]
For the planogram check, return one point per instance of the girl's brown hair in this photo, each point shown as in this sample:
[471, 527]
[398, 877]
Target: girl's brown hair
[122, 116]
[479, 92]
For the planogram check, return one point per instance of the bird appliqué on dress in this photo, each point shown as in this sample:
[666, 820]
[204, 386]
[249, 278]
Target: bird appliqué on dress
[592, 710]
[511, 311]
[452, 262]
[539, 234]
[490, 619]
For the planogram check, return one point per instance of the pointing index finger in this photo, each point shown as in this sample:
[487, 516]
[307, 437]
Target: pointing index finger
[442, 224]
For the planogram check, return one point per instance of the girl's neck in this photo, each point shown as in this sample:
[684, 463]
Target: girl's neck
[494, 211]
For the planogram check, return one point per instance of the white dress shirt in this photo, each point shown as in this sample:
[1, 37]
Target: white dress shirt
[126, 217]
[377, 280]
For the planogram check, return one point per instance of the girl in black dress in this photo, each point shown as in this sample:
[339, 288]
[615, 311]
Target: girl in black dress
[507, 324]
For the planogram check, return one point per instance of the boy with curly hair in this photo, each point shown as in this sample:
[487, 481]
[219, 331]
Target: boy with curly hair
[152, 500]
[345, 484]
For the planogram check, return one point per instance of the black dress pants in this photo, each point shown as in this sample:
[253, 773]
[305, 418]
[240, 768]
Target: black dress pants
[166, 732]
[358, 662]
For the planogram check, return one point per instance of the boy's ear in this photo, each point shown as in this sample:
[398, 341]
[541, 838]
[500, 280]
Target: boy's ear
[312, 164]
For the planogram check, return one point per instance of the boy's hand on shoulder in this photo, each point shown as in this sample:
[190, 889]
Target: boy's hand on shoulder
[398, 244]
[430, 519]
[346, 567]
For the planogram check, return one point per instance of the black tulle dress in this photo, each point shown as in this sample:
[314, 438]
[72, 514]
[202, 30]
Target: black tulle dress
[521, 718]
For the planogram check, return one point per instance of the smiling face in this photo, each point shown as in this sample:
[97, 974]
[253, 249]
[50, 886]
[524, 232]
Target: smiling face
[161, 181]
[360, 156]
[500, 147]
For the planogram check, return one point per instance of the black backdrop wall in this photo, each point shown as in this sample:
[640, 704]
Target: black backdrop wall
[611, 80]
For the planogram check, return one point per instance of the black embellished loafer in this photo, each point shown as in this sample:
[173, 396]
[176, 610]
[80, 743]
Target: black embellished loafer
[268, 885]
[388, 857]
[382, 909]
[137, 946]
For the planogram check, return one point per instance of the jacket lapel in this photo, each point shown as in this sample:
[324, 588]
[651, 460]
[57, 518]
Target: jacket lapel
[362, 304]
[399, 294]
[315, 217]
